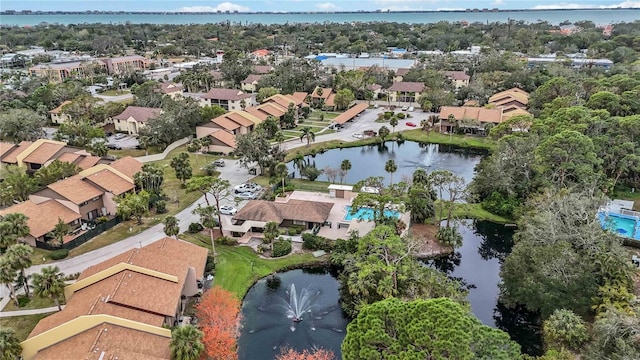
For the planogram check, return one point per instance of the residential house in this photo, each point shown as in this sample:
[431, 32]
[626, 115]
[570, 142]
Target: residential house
[59, 117]
[40, 154]
[228, 99]
[42, 218]
[262, 69]
[171, 89]
[82, 159]
[512, 98]
[235, 122]
[221, 141]
[256, 213]
[263, 111]
[218, 79]
[133, 118]
[458, 78]
[400, 74]
[260, 54]
[323, 97]
[122, 308]
[250, 84]
[300, 96]
[472, 120]
[375, 89]
[405, 91]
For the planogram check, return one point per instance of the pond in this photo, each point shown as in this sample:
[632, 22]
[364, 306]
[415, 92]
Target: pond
[298, 309]
[477, 265]
[369, 160]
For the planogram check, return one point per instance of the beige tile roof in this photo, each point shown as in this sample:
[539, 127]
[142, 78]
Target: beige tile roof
[108, 341]
[42, 217]
[473, 113]
[110, 181]
[407, 86]
[59, 108]
[139, 113]
[225, 94]
[513, 112]
[11, 157]
[302, 210]
[5, 148]
[75, 189]
[517, 93]
[350, 113]
[225, 137]
[241, 118]
[43, 153]
[127, 165]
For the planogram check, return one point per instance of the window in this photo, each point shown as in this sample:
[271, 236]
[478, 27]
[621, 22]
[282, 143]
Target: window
[299, 222]
[96, 198]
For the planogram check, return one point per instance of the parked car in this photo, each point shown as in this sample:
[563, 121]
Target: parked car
[228, 210]
[405, 108]
[247, 187]
[246, 195]
[409, 123]
[357, 136]
[410, 108]
[120, 136]
[218, 162]
[113, 147]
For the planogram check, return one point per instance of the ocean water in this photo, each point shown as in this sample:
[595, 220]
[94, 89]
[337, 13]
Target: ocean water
[598, 16]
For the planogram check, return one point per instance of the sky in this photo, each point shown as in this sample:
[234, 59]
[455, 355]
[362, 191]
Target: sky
[305, 5]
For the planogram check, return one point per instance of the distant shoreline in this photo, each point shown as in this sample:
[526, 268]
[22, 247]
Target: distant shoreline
[484, 10]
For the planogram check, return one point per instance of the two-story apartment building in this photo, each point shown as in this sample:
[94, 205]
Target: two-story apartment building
[405, 91]
[250, 84]
[60, 71]
[122, 308]
[133, 118]
[124, 64]
[458, 78]
[228, 99]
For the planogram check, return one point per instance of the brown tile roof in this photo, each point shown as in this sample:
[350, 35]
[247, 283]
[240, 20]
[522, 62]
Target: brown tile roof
[262, 69]
[251, 79]
[108, 341]
[257, 113]
[241, 117]
[225, 137]
[43, 217]
[5, 148]
[404, 86]
[513, 112]
[402, 71]
[127, 165]
[43, 153]
[331, 100]
[226, 123]
[473, 113]
[272, 109]
[69, 157]
[300, 96]
[284, 100]
[325, 93]
[59, 108]
[75, 189]
[374, 87]
[87, 162]
[505, 99]
[11, 156]
[301, 210]
[139, 113]
[457, 75]
[168, 88]
[511, 93]
[225, 94]
[110, 181]
[217, 75]
[350, 113]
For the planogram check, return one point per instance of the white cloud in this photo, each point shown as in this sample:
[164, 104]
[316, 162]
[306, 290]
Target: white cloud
[624, 4]
[225, 6]
[328, 6]
[405, 5]
[498, 2]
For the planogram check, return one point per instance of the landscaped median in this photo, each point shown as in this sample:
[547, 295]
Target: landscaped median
[239, 267]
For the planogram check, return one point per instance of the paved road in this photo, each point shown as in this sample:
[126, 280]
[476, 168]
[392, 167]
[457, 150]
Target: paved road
[118, 98]
[235, 173]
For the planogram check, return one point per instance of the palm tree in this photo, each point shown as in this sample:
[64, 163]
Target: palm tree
[345, 166]
[8, 276]
[282, 172]
[307, 133]
[171, 227]
[271, 232]
[186, 343]
[208, 221]
[390, 167]
[20, 257]
[60, 231]
[49, 283]
[10, 348]
[12, 227]
[393, 122]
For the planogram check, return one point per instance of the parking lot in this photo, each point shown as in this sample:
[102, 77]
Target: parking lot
[128, 142]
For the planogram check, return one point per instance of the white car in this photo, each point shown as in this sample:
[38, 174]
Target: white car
[246, 195]
[247, 187]
[120, 136]
[228, 210]
[357, 136]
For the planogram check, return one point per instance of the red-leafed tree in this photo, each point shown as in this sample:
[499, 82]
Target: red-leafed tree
[219, 314]
[318, 354]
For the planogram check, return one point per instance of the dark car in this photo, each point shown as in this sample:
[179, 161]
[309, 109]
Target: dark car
[113, 147]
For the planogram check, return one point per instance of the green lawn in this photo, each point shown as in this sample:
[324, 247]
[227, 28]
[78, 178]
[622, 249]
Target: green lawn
[300, 184]
[315, 115]
[238, 268]
[115, 92]
[34, 303]
[22, 325]
[457, 140]
[115, 234]
[475, 211]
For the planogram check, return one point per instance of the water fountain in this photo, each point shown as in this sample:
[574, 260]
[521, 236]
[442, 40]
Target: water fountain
[430, 156]
[298, 306]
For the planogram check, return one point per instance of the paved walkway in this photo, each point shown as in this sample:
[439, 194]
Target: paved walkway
[6, 314]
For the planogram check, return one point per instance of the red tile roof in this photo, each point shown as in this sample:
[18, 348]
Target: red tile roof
[225, 94]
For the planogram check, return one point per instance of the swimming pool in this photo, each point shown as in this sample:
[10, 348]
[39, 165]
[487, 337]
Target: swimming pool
[622, 225]
[367, 214]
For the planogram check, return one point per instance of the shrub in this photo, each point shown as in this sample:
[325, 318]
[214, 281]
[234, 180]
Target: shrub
[195, 228]
[314, 242]
[161, 207]
[101, 219]
[564, 329]
[294, 230]
[59, 254]
[225, 240]
[210, 266]
[281, 248]
[210, 169]
[449, 236]
[400, 115]
[23, 300]
[74, 276]
[499, 204]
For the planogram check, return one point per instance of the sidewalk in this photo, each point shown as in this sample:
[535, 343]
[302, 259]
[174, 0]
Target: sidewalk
[6, 314]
